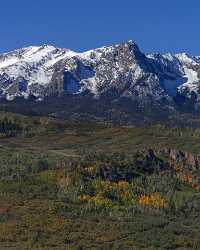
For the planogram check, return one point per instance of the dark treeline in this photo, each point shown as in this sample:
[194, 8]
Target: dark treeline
[10, 127]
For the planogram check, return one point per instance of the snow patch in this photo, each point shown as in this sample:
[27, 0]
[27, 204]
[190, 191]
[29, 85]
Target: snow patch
[191, 75]
[6, 63]
[186, 59]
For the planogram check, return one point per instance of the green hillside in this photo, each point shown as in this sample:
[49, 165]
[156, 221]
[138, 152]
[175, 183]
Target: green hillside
[94, 186]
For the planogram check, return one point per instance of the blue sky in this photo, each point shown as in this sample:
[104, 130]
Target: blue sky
[156, 25]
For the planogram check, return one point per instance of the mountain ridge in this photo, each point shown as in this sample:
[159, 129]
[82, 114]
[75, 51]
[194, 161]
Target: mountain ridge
[117, 72]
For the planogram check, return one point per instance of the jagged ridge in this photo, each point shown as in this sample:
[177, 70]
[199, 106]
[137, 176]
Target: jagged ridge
[118, 71]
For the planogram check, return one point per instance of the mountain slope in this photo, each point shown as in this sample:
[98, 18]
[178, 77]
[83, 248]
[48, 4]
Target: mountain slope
[178, 74]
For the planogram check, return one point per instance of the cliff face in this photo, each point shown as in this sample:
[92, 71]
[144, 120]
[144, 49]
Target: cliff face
[186, 159]
[184, 166]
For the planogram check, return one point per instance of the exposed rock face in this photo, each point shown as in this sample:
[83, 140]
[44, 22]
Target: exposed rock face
[187, 159]
[113, 72]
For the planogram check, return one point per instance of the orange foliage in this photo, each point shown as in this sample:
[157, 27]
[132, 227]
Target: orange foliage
[190, 179]
[186, 177]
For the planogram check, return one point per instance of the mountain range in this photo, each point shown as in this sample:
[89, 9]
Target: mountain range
[118, 77]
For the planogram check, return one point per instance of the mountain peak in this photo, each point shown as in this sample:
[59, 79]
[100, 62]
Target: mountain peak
[130, 44]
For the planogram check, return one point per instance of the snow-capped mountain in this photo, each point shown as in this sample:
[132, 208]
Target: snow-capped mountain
[178, 74]
[118, 71]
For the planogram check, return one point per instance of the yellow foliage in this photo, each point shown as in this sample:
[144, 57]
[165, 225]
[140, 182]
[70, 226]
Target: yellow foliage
[110, 185]
[153, 200]
[122, 185]
[85, 197]
[98, 200]
[91, 169]
[121, 190]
